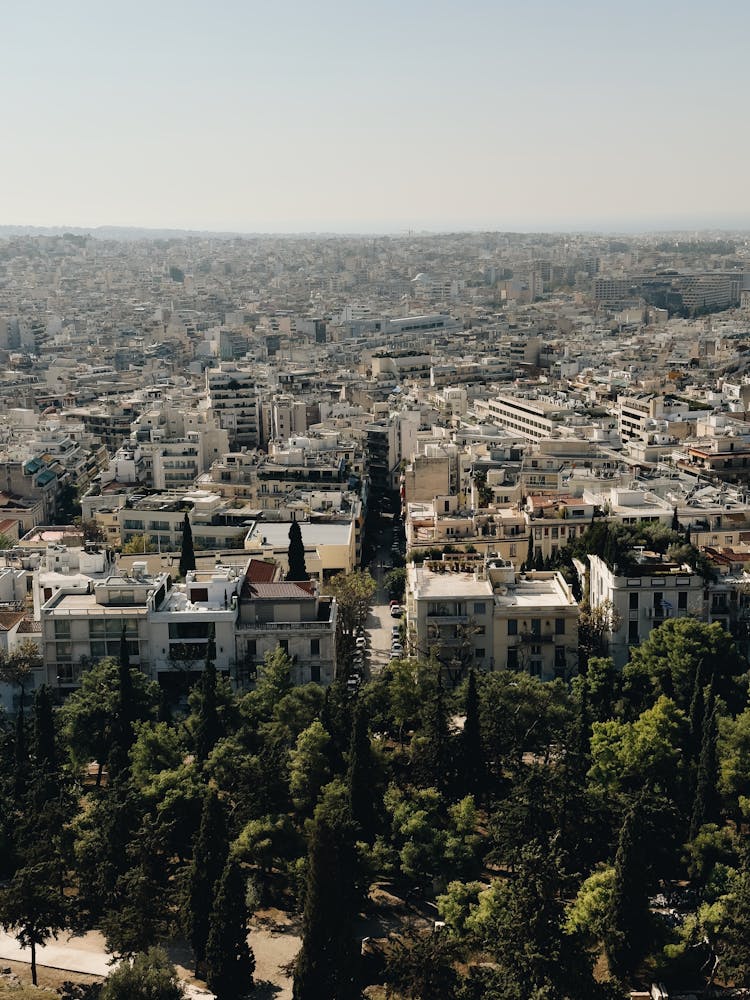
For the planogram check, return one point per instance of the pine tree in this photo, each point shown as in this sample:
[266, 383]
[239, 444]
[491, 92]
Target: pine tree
[209, 859]
[473, 766]
[296, 554]
[230, 962]
[361, 777]
[627, 920]
[325, 963]
[187, 552]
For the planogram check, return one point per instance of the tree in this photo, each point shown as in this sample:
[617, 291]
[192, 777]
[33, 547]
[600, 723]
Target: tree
[627, 922]
[627, 756]
[354, 593]
[151, 976]
[209, 860]
[666, 663]
[88, 714]
[296, 554]
[208, 725]
[187, 552]
[230, 962]
[325, 963]
[395, 582]
[472, 763]
[362, 777]
[706, 801]
[126, 711]
[44, 749]
[137, 545]
[595, 625]
[309, 769]
[422, 966]
[17, 666]
[33, 907]
[528, 563]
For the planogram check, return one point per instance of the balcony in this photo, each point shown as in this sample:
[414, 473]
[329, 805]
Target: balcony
[282, 626]
[532, 639]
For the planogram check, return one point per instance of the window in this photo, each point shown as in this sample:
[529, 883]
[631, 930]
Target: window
[315, 673]
[315, 647]
[251, 648]
[682, 600]
[633, 637]
[512, 658]
[536, 626]
[62, 630]
[479, 607]
[633, 601]
[559, 626]
[559, 656]
[479, 653]
[284, 643]
[512, 626]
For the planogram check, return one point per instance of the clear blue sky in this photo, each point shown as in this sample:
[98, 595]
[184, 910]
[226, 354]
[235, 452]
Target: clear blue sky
[379, 116]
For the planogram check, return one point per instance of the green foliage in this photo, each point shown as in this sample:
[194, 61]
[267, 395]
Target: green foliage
[627, 918]
[628, 755]
[230, 962]
[457, 903]
[150, 976]
[138, 545]
[588, 913]
[209, 859]
[667, 661]
[89, 713]
[325, 965]
[432, 841]
[296, 554]
[309, 766]
[33, 906]
[187, 551]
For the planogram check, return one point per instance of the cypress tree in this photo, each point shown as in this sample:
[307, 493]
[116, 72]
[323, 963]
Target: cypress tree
[539, 560]
[209, 859]
[325, 963]
[361, 776]
[187, 552]
[435, 753]
[296, 554]
[20, 755]
[627, 921]
[208, 726]
[529, 561]
[122, 725]
[706, 801]
[474, 769]
[697, 711]
[44, 751]
[230, 962]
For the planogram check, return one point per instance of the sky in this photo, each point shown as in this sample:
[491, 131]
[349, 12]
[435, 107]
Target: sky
[302, 116]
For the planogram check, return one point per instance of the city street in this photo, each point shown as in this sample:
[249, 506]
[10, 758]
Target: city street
[379, 621]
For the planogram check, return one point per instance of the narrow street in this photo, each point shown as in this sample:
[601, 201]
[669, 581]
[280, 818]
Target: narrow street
[379, 621]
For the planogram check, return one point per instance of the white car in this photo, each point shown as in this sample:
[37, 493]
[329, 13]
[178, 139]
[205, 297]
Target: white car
[360, 642]
[397, 649]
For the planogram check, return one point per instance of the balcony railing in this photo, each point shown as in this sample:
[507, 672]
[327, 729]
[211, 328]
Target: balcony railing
[281, 626]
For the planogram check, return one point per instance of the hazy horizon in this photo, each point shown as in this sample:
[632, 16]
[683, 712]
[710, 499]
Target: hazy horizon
[343, 118]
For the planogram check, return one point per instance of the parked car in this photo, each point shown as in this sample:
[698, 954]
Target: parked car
[360, 642]
[396, 611]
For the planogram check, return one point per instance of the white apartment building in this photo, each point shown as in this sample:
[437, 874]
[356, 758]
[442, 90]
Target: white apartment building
[479, 609]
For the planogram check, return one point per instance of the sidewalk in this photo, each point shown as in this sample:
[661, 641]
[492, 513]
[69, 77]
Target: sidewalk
[85, 955]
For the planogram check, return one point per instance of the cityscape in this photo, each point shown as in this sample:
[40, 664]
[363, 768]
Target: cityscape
[374, 501]
[376, 594]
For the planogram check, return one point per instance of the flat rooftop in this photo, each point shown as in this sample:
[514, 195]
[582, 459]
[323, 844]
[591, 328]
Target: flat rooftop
[314, 533]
